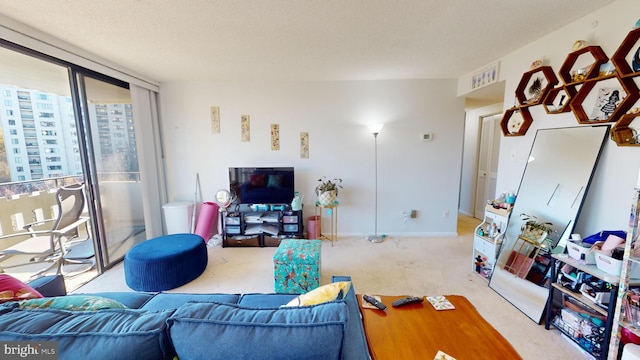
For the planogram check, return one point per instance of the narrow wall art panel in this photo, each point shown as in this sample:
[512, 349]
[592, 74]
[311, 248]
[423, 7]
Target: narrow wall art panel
[215, 120]
[275, 137]
[304, 145]
[245, 128]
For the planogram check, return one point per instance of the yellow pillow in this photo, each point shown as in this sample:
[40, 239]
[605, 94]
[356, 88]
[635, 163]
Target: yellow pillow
[322, 294]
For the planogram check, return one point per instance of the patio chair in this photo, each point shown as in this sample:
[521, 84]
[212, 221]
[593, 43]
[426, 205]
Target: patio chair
[50, 246]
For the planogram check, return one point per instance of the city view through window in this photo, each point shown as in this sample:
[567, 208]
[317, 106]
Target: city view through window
[39, 141]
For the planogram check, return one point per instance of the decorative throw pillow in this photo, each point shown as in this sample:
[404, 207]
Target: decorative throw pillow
[13, 289]
[322, 294]
[73, 303]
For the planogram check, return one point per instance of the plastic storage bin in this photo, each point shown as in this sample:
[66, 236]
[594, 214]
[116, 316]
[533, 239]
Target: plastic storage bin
[613, 266]
[581, 251]
[178, 216]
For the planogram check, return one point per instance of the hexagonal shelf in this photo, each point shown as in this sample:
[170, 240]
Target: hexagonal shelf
[536, 82]
[591, 56]
[516, 121]
[558, 99]
[620, 58]
[606, 103]
[624, 135]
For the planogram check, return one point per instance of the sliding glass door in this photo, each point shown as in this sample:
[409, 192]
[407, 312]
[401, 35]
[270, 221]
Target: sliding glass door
[61, 124]
[115, 176]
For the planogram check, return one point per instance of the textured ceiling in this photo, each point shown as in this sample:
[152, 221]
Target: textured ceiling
[291, 40]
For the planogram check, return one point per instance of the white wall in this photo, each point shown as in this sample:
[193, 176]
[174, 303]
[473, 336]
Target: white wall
[412, 174]
[608, 201]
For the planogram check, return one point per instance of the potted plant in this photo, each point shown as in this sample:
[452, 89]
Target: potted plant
[327, 190]
[535, 229]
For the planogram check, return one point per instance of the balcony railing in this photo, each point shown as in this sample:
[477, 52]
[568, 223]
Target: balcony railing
[24, 202]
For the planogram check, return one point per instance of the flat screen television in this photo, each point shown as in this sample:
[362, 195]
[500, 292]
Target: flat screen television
[262, 185]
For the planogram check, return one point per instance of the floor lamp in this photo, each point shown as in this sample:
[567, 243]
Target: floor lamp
[375, 129]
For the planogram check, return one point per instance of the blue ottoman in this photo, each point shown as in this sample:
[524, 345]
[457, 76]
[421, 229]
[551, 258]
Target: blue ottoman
[165, 262]
[296, 266]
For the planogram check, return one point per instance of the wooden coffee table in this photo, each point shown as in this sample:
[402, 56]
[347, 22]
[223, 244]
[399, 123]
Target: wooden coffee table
[418, 331]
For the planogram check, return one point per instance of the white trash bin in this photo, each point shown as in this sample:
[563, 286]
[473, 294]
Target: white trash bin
[178, 216]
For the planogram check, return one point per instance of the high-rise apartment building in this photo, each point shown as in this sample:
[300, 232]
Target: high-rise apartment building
[41, 139]
[37, 128]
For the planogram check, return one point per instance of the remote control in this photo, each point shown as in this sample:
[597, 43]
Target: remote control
[407, 300]
[373, 301]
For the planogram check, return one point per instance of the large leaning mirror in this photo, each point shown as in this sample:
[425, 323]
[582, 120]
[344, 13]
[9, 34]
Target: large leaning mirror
[553, 186]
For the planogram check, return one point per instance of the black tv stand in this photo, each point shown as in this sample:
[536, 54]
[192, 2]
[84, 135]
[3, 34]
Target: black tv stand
[246, 225]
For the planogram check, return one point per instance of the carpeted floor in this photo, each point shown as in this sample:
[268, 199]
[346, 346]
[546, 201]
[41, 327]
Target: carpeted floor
[398, 266]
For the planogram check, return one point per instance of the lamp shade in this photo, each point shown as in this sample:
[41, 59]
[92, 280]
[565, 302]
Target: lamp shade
[375, 128]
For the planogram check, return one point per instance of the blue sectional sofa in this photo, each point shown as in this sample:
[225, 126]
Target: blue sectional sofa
[196, 326]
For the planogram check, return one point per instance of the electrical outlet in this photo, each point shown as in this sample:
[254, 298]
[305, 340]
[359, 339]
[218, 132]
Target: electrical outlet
[445, 214]
[405, 216]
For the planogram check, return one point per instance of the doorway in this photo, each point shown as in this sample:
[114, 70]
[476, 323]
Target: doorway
[488, 156]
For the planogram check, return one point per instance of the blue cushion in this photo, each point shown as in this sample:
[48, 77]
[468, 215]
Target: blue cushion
[174, 300]
[103, 334]
[355, 345]
[50, 285]
[311, 332]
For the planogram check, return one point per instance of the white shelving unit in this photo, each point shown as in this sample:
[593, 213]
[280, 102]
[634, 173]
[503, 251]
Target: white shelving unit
[487, 240]
[630, 259]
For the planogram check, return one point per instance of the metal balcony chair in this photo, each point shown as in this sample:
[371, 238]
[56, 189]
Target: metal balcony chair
[51, 246]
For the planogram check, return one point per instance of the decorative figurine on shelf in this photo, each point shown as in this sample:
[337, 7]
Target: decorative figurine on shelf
[479, 263]
[579, 44]
[535, 64]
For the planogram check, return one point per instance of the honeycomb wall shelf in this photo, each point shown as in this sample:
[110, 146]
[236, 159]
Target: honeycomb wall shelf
[558, 99]
[594, 55]
[516, 121]
[620, 57]
[578, 107]
[534, 85]
[622, 134]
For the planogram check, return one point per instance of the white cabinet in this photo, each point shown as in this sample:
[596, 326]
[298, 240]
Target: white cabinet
[487, 240]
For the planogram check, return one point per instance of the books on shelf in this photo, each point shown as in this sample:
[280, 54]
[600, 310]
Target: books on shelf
[254, 229]
[253, 218]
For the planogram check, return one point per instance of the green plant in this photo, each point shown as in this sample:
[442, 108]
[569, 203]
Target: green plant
[532, 222]
[328, 185]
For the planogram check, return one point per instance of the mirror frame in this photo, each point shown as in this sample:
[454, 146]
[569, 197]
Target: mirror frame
[553, 187]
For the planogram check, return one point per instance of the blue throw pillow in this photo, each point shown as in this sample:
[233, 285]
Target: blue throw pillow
[233, 332]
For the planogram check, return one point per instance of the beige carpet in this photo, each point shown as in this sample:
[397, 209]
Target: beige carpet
[398, 266]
